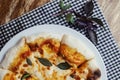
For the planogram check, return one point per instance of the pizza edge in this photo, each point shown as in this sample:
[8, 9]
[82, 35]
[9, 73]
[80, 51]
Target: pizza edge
[7, 60]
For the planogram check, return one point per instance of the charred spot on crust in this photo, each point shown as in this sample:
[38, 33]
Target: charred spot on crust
[95, 75]
[91, 78]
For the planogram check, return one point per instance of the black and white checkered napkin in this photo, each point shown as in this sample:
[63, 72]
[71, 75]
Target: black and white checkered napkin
[44, 15]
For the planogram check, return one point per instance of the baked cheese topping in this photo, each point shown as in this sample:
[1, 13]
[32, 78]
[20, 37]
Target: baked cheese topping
[22, 54]
[71, 54]
[9, 76]
[49, 59]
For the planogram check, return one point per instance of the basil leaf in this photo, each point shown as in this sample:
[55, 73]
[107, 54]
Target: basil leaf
[61, 4]
[89, 8]
[92, 36]
[45, 61]
[94, 27]
[64, 66]
[98, 21]
[25, 75]
[28, 61]
[66, 7]
[81, 22]
[70, 18]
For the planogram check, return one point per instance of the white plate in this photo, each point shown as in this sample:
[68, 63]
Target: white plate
[59, 30]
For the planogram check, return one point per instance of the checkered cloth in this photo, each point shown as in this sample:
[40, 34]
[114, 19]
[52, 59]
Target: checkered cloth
[44, 15]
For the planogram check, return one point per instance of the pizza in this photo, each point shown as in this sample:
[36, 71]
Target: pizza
[49, 57]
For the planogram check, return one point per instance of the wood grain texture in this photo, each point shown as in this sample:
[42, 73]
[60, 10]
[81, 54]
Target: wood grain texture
[111, 11]
[11, 9]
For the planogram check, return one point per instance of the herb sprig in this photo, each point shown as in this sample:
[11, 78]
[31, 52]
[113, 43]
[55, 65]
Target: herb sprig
[64, 66]
[86, 21]
[28, 61]
[45, 61]
[25, 75]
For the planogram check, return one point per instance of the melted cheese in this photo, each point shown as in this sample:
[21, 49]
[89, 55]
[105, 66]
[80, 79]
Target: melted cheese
[71, 54]
[23, 53]
[49, 49]
[9, 76]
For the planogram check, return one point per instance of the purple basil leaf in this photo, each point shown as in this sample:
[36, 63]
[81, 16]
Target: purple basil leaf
[92, 36]
[94, 27]
[80, 22]
[77, 14]
[90, 14]
[98, 21]
[89, 7]
[81, 17]
[89, 24]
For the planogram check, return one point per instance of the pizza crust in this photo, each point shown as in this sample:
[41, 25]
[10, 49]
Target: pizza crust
[43, 35]
[11, 54]
[77, 44]
[4, 72]
[93, 66]
[64, 39]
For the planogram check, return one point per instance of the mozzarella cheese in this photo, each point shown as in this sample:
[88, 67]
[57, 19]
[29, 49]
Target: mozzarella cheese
[54, 52]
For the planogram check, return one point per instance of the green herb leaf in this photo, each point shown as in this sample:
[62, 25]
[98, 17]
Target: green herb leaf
[64, 66]
[98, 21]
[82, 21]
[25, 75]
[89, 8]
[45, 61]
[70, 18]
[61, 4]
[28, 61]
[66, 7]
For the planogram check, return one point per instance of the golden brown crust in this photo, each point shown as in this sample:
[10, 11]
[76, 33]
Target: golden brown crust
[9, 76]
[6, 75]
[71, 54]
[55, 52]
[52, 44]
[85, 72]
[94, 75]
[23, 53]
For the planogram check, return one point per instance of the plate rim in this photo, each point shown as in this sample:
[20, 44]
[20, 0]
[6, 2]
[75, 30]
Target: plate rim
[45, 27]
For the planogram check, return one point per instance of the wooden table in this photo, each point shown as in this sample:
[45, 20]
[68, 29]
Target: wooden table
[111, 11]
[10, 9]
